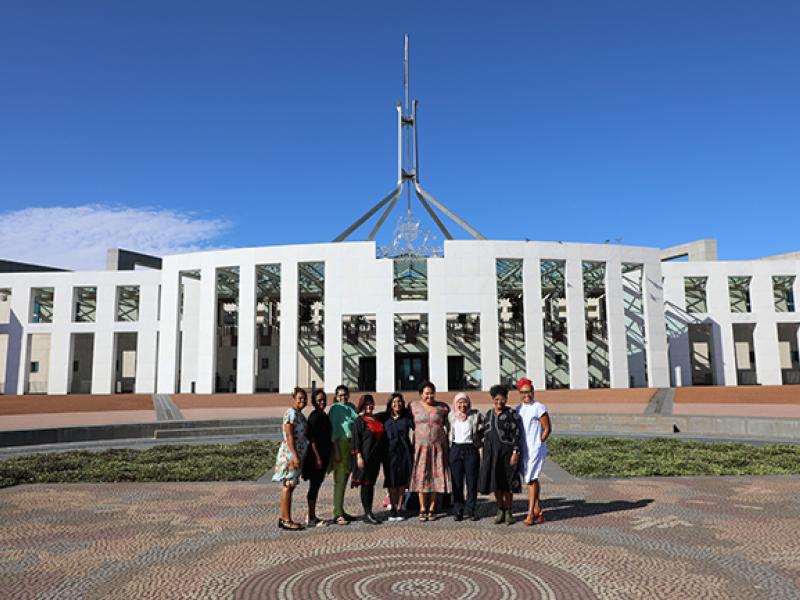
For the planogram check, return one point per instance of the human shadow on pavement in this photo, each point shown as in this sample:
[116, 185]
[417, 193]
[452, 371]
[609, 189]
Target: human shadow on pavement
[560, 509]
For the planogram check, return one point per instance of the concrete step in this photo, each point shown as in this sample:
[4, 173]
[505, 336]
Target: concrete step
[606, 423]
[186, 432]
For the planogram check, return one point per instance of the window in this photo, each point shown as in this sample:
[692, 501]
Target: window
[694, 289]
[35, 366]
[739, 291]
[127, 303]
[42, 305]
[410, 278]
[84, 307]
[783, 290]
[264, 364]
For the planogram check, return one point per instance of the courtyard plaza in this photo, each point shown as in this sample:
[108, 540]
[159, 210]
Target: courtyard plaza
[721, 537]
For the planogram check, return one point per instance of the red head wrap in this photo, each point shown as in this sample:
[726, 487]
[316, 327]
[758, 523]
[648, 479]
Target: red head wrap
[524, 381]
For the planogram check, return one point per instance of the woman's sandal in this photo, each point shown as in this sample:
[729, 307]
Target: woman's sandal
[423, 516]
[289, 525]
[342, 520]
[529, 520]
[538, 517]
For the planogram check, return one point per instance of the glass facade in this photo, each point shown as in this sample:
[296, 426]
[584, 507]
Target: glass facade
[554, 323]
[311, 324]
[635, 333]
[464, 351]
[411, 365]
[268, 327]
[510, 319]
[359, 362]
[594, 299]
[410, 278]
[227, 328]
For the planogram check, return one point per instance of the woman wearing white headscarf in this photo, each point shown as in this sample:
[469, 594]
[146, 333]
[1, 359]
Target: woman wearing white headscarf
[465, 440]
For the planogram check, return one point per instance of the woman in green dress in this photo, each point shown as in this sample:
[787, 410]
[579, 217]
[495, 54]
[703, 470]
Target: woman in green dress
[342, 415]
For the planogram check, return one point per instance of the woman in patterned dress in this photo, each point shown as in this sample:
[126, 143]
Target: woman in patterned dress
[501, 450]
[429, 475]
[289, 464]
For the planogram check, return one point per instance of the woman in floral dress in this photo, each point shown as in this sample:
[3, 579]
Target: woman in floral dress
[429, 475]
[289, 464]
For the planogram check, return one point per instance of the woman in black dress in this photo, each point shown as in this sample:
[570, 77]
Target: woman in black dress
[398, 459]
[315, 466]
[501, 448]
[369, 447]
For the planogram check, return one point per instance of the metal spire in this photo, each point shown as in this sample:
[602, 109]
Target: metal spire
[408, 171]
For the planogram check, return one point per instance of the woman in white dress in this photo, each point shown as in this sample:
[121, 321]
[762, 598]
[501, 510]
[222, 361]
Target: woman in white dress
[536, 429]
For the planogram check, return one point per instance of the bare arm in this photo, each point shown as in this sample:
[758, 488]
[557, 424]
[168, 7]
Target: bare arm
[288, 431]
[546, 426]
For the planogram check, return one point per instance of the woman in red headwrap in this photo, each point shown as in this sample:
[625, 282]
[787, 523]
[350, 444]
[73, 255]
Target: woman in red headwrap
[536, 428]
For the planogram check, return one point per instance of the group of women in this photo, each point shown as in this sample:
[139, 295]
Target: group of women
[422, 447]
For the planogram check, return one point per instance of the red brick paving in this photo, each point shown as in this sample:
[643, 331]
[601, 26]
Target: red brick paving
[43, 404]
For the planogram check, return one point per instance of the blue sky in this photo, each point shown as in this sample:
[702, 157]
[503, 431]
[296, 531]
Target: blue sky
[177, 125]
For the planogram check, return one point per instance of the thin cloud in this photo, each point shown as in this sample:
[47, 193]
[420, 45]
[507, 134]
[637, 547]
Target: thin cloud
[78, 237]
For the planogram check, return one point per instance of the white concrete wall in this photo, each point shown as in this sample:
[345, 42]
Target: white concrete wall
[763, 314]
[463, 281]
[62, 327]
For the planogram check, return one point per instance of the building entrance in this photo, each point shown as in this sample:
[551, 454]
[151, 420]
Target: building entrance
[410, 369]
[367, 371]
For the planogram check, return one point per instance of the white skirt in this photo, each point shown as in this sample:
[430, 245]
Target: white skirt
[532, 465]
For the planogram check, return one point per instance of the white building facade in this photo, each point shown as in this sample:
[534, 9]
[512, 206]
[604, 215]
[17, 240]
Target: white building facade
[267, 319]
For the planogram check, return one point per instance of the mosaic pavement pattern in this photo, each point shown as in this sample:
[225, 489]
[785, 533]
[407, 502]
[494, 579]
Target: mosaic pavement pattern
[640, 538]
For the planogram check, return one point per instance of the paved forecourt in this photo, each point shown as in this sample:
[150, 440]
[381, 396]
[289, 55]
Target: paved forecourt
[639, 538]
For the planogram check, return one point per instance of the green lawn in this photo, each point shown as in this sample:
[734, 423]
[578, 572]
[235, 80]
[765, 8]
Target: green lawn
[210, 462]
[614, 457]
[246, 461]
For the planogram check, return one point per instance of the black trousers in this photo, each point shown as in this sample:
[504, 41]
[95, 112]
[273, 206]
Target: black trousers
[314, 483]
[464, 465]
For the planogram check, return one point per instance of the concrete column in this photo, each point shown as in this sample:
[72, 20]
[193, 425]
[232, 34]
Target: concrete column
[333, 346]
[16, 353]
[767, 351]
[490, 343]
[724, 351]
[576, 326]
[168, 338]
[246, 349]
[288, 342]
[60, 363]
[615, 311]
[207, 331]
[534, 332]
[104, 355]
[437, 348]
[765, 335]
[655, 329]
[677, 328]
[384, 351]
[146, 340]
